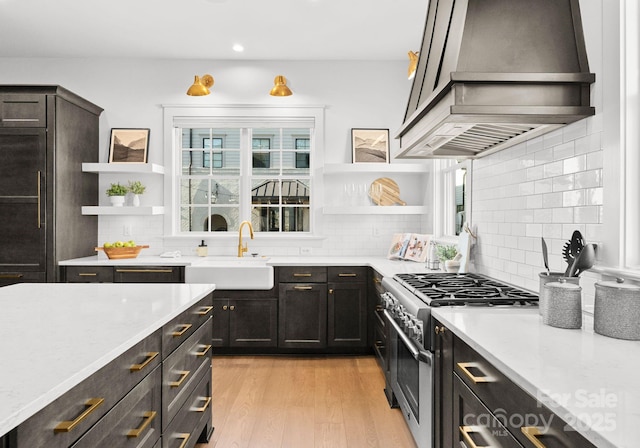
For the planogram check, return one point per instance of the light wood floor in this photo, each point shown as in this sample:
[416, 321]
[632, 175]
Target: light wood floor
[303, 402]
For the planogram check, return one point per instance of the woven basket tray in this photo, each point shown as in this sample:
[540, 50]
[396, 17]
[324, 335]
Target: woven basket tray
[118, 253]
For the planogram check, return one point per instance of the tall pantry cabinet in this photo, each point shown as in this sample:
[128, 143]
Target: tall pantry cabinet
[46, 132]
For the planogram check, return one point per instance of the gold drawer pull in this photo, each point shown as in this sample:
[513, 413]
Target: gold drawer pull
[464, 366]
[301, 274]
[203, 352]
[183, 376]
[184, 329]
[465, 430]
[184, 436]
[11, 276]
[204, 311]
[147, 419]
[87, 274]
[532, 433]
[204, 407]
[67, 426]
[150, 357]
[138, 271]
[347, 275]
[303, 288]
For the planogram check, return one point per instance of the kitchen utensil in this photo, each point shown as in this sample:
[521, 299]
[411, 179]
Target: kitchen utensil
[584, 261]
[564, 304]
[547, 277]
[617, 310]
[545, 255]
[571, 250]
[385, 191]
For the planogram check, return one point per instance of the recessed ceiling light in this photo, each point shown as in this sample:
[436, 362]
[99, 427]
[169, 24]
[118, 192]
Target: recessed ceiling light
[238, 48]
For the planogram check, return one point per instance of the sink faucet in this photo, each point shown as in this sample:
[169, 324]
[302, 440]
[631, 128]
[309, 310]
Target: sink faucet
[242, 249]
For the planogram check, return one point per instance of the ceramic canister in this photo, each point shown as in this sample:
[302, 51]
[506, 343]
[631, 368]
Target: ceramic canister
[546, 277]
[564, 304]
[617, 310]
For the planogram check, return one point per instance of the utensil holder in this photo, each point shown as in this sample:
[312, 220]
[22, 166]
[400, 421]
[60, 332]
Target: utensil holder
[546, 277]
[564, 305]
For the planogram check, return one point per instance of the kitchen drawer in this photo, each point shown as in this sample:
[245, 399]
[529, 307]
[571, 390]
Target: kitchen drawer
[89, 274]
[86, 403]
[134, 422]
[302, 274]
[13, 277]
[148, 274]
[192, 424]
[23, 111]
[473, 424]
[347, 274]
[180, 370]
[502, 396]
[181, 327]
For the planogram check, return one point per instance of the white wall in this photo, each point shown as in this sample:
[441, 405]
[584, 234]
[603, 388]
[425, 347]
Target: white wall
[356, 94]
[554, 184]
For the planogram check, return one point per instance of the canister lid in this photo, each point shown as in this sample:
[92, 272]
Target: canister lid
[562, 283]
[618, 284]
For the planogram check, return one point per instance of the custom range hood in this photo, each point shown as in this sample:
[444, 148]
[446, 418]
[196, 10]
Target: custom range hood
[494, 73]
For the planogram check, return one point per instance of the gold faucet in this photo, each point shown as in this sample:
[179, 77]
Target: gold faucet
[242, 249]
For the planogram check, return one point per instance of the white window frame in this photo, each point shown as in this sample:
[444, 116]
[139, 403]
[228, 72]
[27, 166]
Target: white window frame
[201, 115]
[444, 218]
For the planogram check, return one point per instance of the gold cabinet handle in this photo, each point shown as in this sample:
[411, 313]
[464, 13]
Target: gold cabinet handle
[13, 276]
[532, 433]
[150, 357]
[138, 271]
[87, 274]
[379, 308]
[184, 436]
[440, 330]
[303, 288]
[147, 418]
[39, 173]
[465, 430]
[225, 307]
[207, 401]
[232, 307]
[183, 376]
[464, 366]
[331, 291]
[184, 329]
[66, 426]
[301, 274]
[204, 311]
[347, 274]
[204, 351]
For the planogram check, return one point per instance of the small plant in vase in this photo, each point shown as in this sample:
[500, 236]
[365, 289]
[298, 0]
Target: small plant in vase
[116, 193]
[137, 189]
[448, 256]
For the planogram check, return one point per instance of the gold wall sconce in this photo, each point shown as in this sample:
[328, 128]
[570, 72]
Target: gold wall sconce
[201, 86]
[280, 87]
[413, 63]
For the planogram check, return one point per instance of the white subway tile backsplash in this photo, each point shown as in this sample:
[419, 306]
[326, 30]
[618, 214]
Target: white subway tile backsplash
[593, 196]
[553, 138]
[563, 151]
[563, 183]
[573, 198]
[552, 169]
[550, 200]
[562, 215]
[588, 179]
[574, 164]
[587, 215]
[594, 160]
[574, 131]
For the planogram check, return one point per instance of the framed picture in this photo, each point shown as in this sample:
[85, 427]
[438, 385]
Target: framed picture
[370, 145]
[129, 146]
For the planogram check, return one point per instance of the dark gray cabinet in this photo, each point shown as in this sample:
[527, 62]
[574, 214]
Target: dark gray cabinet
[347, 307]
[245, 319]
[46, 132]
[122, 274]
[302, 320]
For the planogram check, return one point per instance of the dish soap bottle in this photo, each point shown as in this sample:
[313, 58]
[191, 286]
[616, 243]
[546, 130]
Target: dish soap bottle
[202, 250]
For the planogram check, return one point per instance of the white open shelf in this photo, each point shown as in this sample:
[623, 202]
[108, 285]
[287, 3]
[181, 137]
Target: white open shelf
[338, 168]
[375, 210]
[122, 211]
[123, 168]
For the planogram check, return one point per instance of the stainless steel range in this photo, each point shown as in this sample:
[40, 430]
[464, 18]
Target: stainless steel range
[407, 302]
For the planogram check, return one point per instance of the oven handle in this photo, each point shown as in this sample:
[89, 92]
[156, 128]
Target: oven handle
[418, 354]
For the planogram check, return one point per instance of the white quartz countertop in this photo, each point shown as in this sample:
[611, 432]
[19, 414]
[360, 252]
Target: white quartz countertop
[55, 335]
[589, 380]
[383, 265]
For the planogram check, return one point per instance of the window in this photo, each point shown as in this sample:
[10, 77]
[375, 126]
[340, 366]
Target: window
[452, 196]
[216, 156]
[302, 152]
[261, 159]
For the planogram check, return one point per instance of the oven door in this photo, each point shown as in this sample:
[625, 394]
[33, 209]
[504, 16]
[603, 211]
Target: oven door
[412, 383]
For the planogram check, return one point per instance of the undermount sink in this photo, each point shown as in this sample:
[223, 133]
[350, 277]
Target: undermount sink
[231, 272]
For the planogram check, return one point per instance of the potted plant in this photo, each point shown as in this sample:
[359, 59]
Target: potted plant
[137, 189]
[448, 256]
[116, 193]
